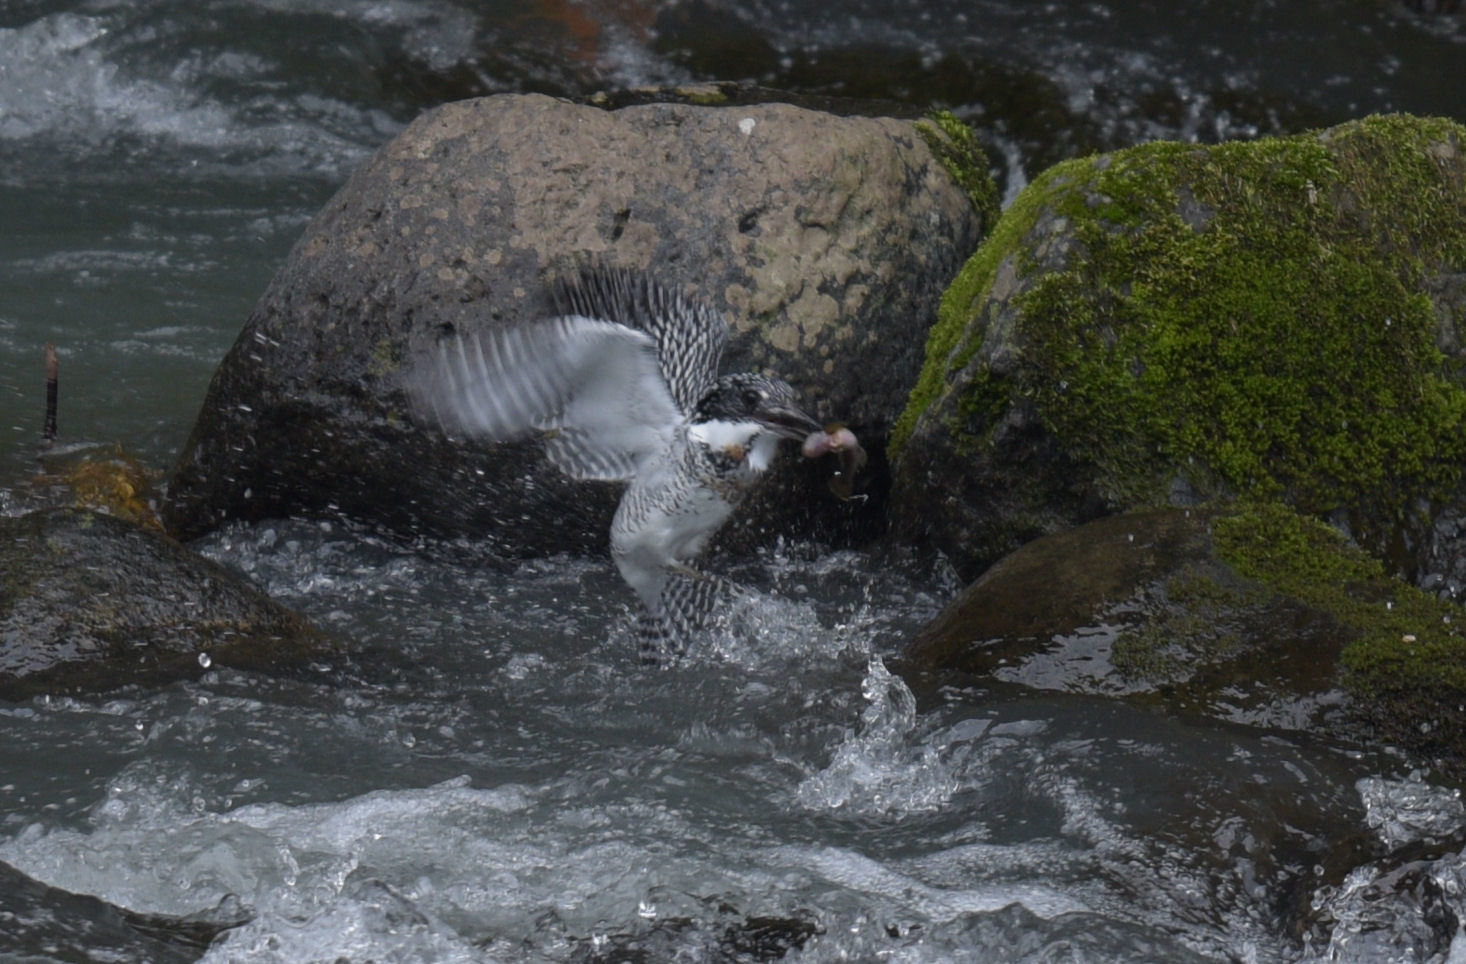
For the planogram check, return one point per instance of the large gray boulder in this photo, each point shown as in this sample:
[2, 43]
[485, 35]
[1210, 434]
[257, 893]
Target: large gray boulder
[825, 240]
[90, 602]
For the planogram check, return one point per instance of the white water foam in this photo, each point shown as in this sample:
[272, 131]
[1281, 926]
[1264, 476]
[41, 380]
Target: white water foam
[62, 83]
[155, 848]
[57, 78]
[1394, 910]
[438, 873]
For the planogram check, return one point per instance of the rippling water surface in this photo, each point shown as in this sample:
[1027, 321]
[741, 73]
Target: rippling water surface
[494, 776]
[497, 777]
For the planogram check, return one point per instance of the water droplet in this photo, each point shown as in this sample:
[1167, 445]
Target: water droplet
[205, 661]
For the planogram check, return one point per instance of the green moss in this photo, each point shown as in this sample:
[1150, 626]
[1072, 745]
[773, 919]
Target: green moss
[957, 148]
[964, 296]
[1293, 554]
[1192, 621]
[1149, 652]
[1407, 661]
[1250, 312]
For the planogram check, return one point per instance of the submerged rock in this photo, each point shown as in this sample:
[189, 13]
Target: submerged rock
[48, 924]
[1141, 605]
[1253, 614]
[825, 240]
[89, 602]
[746, 939]
[1174, 322]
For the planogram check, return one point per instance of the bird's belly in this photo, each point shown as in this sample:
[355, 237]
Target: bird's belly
[666, 534]
[680, 531]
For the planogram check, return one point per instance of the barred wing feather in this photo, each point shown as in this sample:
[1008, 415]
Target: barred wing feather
[594, 387]
[690, 336]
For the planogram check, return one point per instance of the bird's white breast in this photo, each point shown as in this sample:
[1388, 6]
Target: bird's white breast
[724, 436]
[682, 496]
[747, 443]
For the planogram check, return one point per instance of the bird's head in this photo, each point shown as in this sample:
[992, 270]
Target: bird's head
[747, 397]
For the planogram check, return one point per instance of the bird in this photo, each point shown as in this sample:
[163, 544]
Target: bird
[623, 385]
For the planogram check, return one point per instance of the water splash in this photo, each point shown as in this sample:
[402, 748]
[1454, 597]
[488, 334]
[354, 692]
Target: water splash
[372, 922]
[880, 768]
[1409, 907]
[1404, 811]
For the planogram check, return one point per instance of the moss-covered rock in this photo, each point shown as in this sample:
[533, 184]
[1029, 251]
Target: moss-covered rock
[1273, 319]
[90, 602]
[1405, 663]
[1252, 613]
[956, 146]
[1141, 605]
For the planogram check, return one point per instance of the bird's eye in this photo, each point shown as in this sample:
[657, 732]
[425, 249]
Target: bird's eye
[752, 396]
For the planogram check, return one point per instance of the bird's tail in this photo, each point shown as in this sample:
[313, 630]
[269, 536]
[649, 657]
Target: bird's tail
[690, 604]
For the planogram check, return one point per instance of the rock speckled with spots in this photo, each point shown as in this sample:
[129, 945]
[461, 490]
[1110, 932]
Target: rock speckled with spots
[826, 240]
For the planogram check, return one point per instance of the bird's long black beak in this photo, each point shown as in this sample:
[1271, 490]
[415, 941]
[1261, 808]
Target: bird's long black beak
[786, 420]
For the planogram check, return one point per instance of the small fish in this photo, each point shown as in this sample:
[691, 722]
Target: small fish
[838, 440]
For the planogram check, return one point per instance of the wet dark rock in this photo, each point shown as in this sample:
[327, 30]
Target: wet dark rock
[1173, 323]
[1019, 101]
[524, 52]
[1438, 7]
[90, 602]
[825, 240]
[1251, 613]
[1139, 605]
[45, 923]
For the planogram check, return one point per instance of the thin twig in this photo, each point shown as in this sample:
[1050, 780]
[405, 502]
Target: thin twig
[53, 368]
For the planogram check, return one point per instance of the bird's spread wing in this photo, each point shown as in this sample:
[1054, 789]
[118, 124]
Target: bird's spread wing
[690, 336]
[594, 387]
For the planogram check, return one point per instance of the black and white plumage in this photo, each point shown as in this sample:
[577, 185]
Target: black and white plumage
[624, 386]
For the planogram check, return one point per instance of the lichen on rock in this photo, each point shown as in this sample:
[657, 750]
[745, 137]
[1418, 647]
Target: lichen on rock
[825, 240]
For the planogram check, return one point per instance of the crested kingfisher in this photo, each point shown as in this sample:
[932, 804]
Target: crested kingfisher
[623, 385]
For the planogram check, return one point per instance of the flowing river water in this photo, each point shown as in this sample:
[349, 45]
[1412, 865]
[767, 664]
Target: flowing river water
[493, 775]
